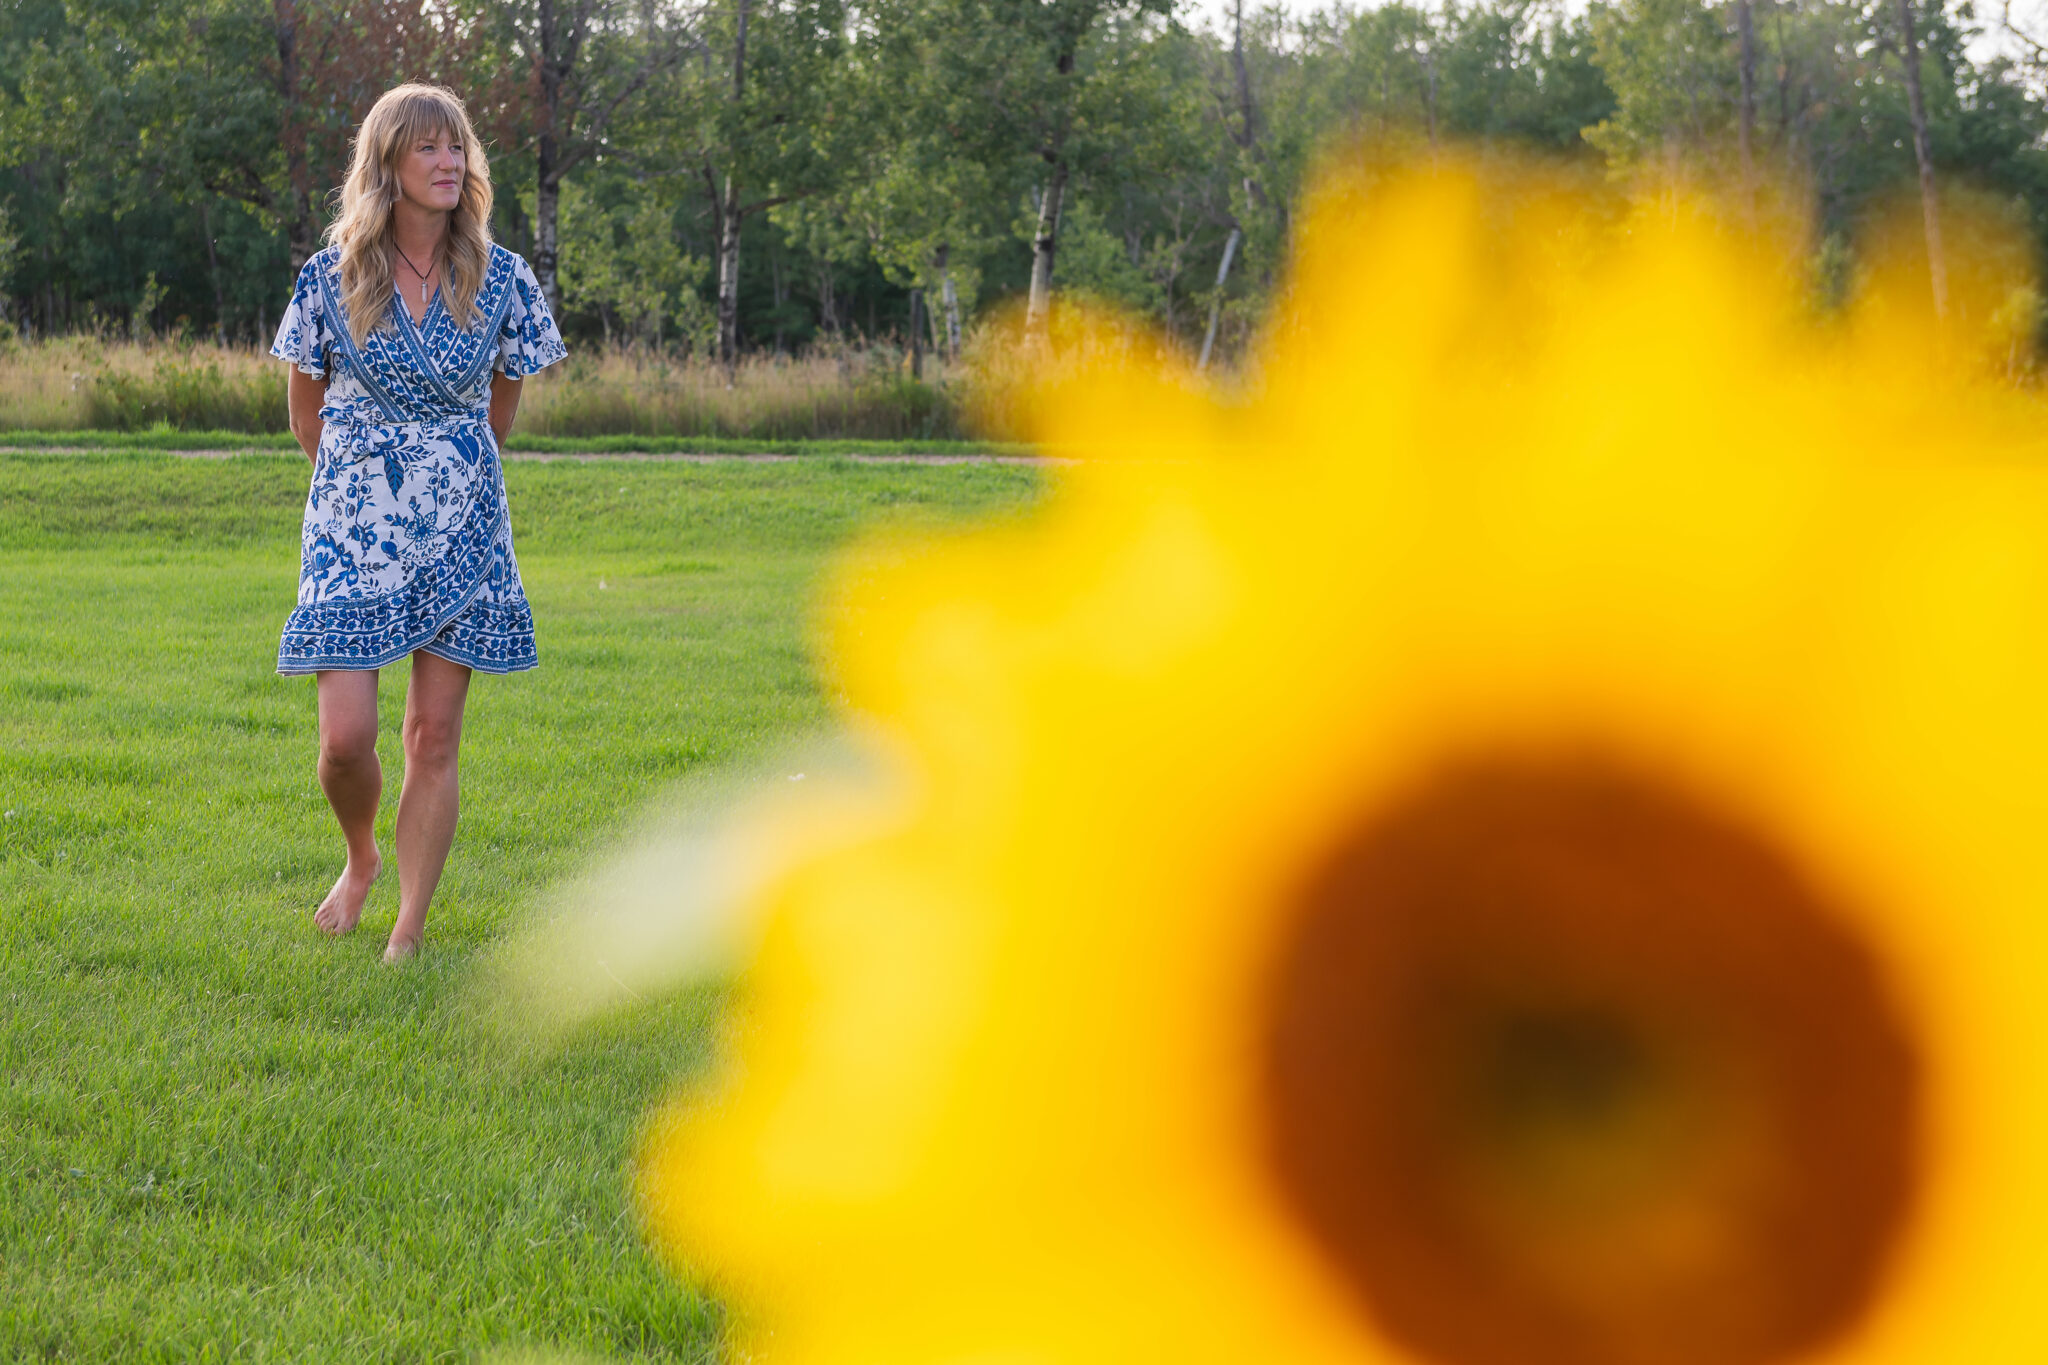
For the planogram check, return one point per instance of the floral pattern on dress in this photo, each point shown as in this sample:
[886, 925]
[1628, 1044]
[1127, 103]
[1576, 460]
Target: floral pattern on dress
[406, 543]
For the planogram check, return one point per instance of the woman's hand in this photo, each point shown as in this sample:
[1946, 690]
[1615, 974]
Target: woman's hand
[504, 406]
[303, 399]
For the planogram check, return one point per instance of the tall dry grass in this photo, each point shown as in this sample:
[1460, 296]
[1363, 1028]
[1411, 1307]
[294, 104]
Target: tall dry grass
[847, 393]
[78, 382]
[86, 382]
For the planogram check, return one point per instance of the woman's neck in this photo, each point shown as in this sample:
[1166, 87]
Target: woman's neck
[418, 231]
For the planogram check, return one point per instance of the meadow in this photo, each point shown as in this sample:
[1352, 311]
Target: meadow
[226, 1137]
[843, 391]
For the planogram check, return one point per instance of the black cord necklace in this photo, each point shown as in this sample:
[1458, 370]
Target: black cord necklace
[415, 269]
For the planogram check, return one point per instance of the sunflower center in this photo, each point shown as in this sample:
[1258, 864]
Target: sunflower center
[1564, 1069]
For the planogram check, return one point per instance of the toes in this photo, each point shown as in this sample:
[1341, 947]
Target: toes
[333, 920]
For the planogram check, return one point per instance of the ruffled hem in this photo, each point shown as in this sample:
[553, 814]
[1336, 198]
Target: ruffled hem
[355, 635]
[478, 662]
[489, 637]
[519, 367]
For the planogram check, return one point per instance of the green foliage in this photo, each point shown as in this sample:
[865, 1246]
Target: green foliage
[1096, 264]
[885, 408]
[159, 175]
[187, 392]
[622, 262]
[1832, 140]
[1672, 67]
[10, 245]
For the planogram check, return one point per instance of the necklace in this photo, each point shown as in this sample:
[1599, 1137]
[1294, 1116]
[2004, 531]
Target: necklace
[415, 269]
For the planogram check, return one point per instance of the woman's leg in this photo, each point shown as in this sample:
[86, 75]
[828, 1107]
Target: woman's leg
[353, 782]
[428, 802]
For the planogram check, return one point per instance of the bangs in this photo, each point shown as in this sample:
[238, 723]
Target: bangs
[428, 113]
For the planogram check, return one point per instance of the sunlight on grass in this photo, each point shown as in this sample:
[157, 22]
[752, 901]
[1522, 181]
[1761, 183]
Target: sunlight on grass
[219, 1127]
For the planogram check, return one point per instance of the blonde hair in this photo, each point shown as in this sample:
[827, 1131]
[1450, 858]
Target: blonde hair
[362, 230]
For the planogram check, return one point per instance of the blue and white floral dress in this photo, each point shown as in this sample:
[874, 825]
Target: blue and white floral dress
[407, 544]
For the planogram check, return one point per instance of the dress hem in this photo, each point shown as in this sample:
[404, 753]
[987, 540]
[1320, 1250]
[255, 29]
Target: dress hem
[321, 664]
[358, 666]
[476, 661]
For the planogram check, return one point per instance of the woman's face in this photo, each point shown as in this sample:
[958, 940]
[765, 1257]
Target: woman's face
[430, 172]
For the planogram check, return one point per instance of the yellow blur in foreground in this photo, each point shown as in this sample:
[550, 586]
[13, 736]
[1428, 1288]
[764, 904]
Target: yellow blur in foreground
[1520, 845]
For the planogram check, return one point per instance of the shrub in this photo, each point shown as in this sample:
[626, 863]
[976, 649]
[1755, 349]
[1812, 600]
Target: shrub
[189, 392]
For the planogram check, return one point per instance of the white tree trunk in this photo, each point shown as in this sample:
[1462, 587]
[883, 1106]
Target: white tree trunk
[949, 302]
[1216, 306]
[729, 279]
[1745, 128]
[1039, 306]
[952, 300]
[547, 212]
[1930, 215]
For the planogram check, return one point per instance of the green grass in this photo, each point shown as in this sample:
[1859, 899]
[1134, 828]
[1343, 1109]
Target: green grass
[165, 439]
[224, 1137]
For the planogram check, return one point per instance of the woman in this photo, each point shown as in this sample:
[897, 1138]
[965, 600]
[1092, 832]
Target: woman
[394, 334]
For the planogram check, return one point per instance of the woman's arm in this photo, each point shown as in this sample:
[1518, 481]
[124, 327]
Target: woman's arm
[303, 399]
[504, 406]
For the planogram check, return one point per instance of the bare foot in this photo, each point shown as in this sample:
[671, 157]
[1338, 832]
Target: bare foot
[344, 904]
[406, 933]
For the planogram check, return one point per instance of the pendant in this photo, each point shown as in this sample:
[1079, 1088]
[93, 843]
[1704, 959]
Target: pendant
[423, 291]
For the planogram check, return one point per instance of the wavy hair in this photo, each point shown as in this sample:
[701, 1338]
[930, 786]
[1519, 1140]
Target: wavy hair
[362, 229]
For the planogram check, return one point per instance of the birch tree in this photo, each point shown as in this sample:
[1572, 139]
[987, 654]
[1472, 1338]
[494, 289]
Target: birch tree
[745, 119]
[1030, 87]
[1923, 157]
[585, 66]
[917, 188]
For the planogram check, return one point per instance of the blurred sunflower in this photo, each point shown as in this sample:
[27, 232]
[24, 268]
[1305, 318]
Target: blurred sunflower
[1514, 846]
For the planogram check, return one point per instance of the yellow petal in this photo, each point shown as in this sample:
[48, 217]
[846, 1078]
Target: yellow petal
[1512, 485]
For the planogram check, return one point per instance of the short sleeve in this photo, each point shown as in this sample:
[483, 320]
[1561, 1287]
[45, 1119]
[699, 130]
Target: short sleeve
[302, 332]
[528, 341]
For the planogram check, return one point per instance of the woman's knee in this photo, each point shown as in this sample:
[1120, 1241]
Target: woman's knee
[432, 740]
[347, 743]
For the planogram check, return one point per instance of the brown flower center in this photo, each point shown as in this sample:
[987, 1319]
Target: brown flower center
[1564, 1069]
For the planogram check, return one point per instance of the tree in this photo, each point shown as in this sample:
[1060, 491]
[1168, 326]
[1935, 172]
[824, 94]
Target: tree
[587, 63]
[1923, 157]
[620, 261]
[1674, 73]
[1029, 88]
[746, 121]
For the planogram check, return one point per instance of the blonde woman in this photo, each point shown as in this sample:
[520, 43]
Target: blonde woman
[408, 337]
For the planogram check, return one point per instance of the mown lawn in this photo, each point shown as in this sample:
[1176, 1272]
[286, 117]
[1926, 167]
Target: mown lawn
[225, 1137]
